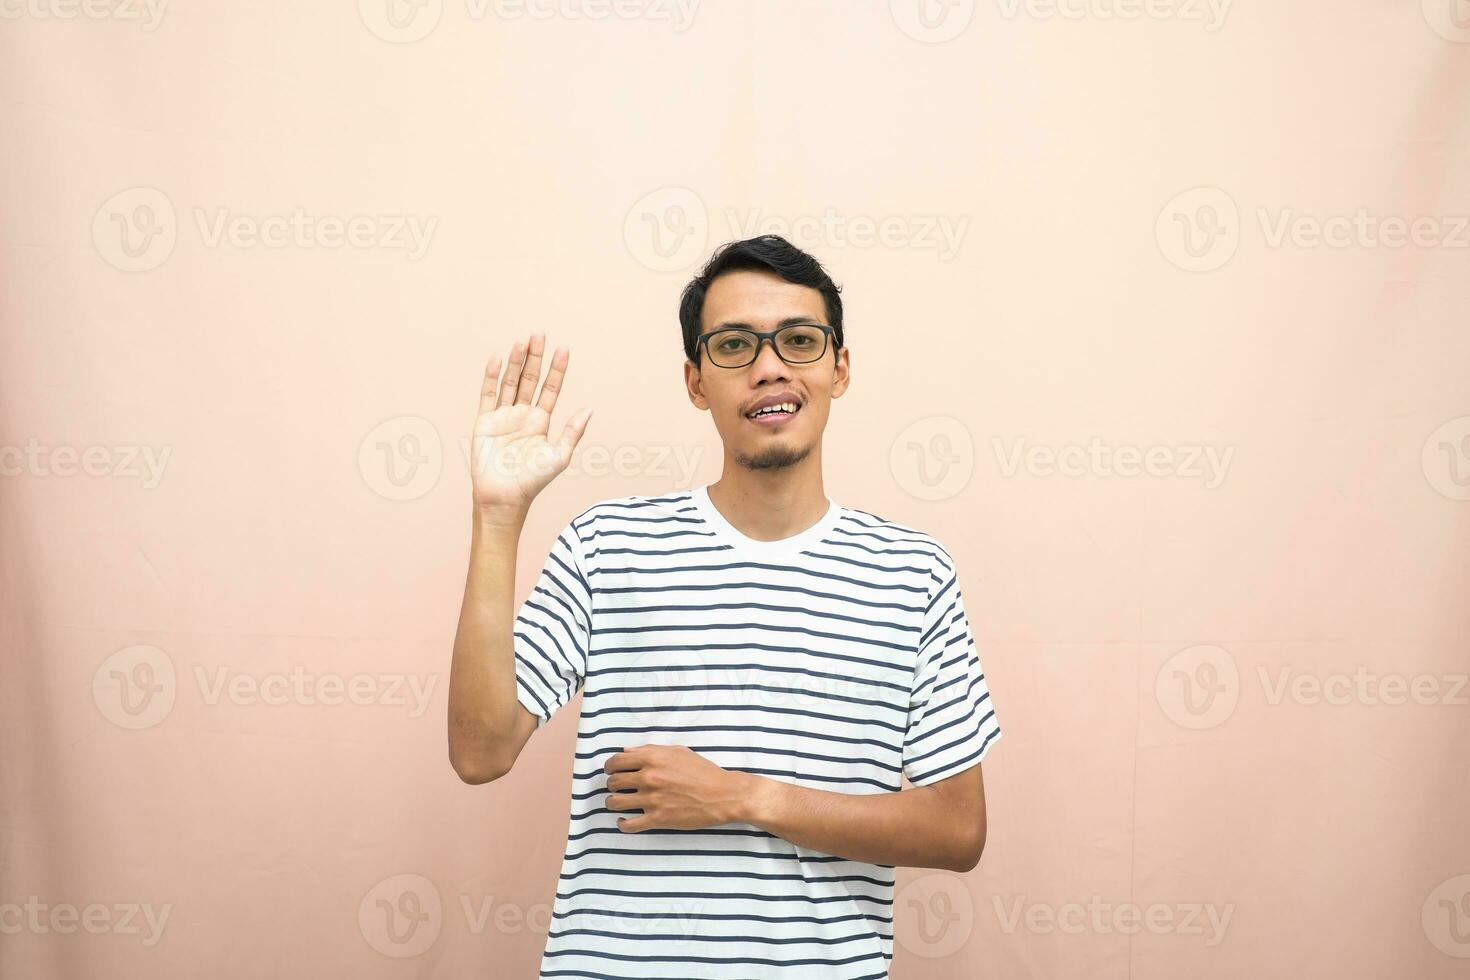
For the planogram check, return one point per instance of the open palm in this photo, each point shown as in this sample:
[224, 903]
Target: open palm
[511, 459]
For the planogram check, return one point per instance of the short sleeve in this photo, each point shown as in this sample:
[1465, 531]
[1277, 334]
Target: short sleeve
[553, 629]
[952, 724]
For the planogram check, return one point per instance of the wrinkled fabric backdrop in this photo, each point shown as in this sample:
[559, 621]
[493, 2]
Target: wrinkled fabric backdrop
[1158, 321]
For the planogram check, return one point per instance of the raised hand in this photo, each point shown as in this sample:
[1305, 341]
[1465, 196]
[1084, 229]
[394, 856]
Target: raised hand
[511, 460]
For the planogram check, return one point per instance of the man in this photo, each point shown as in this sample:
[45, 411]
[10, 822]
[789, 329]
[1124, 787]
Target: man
[759, 664]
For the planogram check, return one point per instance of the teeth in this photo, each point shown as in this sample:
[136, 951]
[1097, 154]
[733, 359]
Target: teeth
[788, 407]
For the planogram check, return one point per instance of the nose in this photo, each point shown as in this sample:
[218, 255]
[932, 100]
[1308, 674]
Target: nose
[767, 363]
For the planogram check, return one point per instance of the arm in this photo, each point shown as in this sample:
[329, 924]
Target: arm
[488, 726]
[941, 825]
[511, 461]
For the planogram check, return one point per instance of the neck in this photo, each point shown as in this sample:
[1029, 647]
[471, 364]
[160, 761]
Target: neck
[768, 505]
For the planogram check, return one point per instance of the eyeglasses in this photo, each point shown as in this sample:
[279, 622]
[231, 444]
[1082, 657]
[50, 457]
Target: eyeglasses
[735, 347]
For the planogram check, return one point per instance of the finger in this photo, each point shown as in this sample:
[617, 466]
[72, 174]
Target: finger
[487, 387]
[631, 825]
[620, 781]
[572, 433]
[624, 801]
[512, 378]
[527, 388]
[554, 376]
[621, 762]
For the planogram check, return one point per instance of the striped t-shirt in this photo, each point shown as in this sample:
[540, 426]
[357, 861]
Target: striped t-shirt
[837, 658]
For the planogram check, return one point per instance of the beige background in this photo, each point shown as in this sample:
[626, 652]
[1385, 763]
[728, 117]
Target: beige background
[234, 522]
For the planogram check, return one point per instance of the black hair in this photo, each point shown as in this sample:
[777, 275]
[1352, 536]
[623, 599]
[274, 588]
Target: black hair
[770, 252]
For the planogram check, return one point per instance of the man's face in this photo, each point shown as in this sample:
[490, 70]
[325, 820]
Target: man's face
[761, 300]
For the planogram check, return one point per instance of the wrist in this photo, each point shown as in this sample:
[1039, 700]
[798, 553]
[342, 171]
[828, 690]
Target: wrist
[756, 798]
[500, 518]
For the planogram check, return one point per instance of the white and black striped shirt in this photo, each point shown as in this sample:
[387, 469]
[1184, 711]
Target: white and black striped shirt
[838, 658]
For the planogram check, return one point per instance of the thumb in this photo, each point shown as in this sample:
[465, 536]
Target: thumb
[572, 432]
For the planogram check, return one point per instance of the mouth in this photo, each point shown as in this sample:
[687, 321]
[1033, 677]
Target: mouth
[772, 415]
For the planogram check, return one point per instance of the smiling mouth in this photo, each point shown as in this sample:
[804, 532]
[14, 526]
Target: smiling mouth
[773, 414]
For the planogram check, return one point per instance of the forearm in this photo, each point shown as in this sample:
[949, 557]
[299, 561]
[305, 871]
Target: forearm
[910, 828]
[483, 709]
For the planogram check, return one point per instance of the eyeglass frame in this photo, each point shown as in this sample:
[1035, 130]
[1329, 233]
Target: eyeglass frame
[829, 334]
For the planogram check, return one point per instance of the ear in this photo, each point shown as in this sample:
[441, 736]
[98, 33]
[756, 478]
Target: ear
[841, 373]
[694, 383]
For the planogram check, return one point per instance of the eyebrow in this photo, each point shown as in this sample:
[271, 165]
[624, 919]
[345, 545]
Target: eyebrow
[790, 321]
